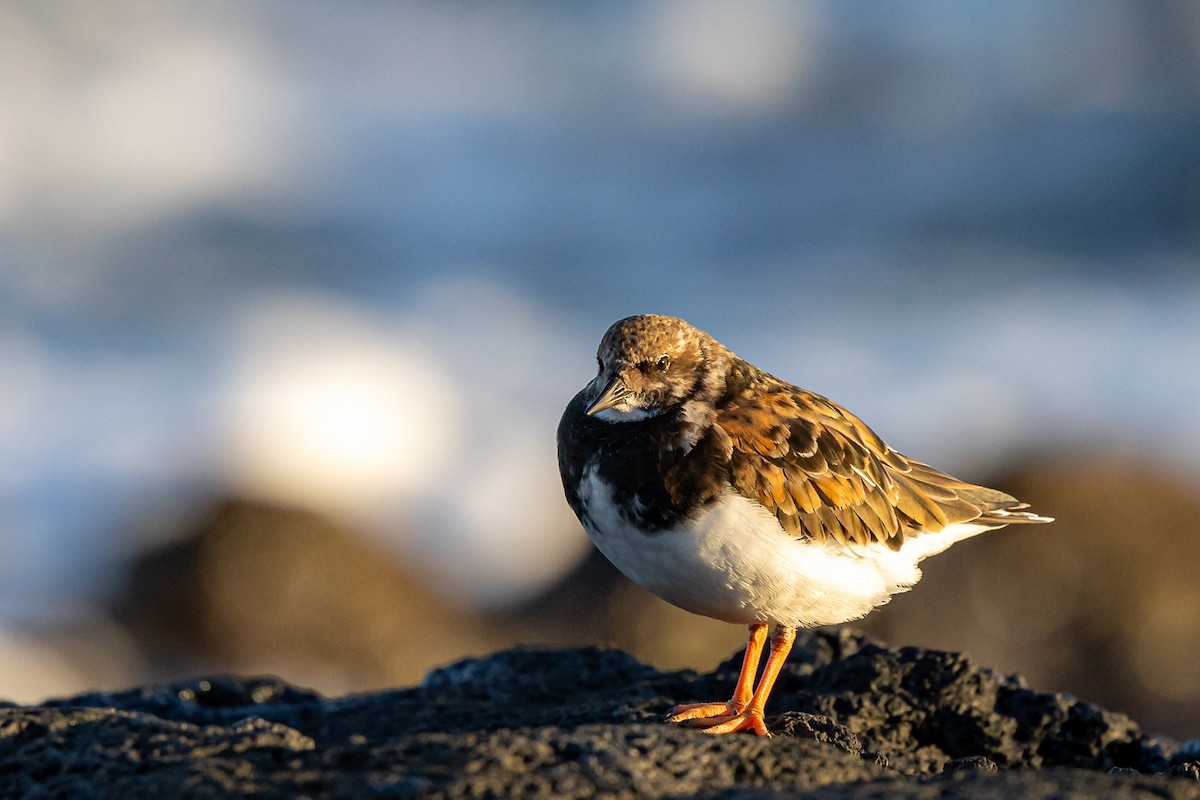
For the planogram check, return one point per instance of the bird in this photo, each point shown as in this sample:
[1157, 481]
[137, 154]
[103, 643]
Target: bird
[736, 495]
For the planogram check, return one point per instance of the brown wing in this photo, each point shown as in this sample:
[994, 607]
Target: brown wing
[826, 475]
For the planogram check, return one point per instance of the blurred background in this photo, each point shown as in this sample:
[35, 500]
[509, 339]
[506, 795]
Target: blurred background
[292, 295]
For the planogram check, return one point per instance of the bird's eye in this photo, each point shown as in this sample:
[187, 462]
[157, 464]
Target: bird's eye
[663, 363]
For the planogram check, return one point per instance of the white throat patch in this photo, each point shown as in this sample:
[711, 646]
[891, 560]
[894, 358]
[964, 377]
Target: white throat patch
[612, 415]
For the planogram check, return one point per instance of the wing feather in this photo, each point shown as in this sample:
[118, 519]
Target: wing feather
[828, 477]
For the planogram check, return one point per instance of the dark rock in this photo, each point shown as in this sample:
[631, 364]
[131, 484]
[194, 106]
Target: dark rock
[819, 729]
[1059, 783]
[971, 764]
[205, 701]
[859, 720]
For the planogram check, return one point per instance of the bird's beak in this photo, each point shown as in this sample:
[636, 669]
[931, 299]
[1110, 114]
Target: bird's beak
[612, 395]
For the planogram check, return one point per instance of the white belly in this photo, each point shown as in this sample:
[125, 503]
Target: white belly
[734, 562]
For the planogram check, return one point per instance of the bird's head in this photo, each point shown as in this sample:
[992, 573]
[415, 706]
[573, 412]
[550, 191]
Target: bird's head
[648, 364]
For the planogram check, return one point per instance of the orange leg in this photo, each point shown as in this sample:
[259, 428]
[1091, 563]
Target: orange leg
[750, 717]
[741, 695]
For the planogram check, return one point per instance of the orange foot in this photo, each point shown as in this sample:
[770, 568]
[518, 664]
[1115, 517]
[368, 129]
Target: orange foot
[719, 718]
[696, 711]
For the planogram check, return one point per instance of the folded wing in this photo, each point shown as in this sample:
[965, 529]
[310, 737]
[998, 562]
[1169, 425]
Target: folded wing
[825, 475]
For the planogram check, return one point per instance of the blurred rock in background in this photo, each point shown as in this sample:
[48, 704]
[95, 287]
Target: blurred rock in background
[262, 589]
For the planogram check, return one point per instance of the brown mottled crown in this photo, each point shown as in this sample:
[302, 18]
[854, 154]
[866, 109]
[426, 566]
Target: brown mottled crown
[663, 360]
[646, 336]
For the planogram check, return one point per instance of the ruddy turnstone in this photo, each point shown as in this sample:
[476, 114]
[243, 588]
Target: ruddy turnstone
[733, 494]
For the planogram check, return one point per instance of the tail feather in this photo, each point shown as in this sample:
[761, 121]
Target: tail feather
[1012, 514]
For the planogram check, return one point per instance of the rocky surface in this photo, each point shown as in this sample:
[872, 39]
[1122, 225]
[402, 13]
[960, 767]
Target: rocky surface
[855, 718]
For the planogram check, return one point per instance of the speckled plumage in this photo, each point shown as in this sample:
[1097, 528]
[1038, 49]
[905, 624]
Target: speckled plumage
[734, 494]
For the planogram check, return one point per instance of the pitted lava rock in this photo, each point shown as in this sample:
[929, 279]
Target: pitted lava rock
[856, 719]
